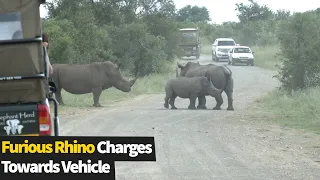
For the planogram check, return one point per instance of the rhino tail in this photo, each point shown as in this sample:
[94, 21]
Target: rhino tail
[227, 71]
[229, 80]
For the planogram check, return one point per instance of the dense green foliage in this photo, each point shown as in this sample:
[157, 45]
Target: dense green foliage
[142, 35]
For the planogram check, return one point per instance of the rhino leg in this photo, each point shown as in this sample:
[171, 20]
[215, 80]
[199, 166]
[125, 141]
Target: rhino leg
[166, 102]
[202, 102]
[219, 100]
[230, 101]
[58, 96]
[96, 96]
[172, 99]
[229, 93]
[193, 98]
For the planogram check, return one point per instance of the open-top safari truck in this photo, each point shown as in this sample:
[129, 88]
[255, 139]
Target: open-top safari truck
[24, 78]
[189, 42]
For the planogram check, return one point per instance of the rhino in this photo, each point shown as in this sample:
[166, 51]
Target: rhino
[89, 78]
[221, 78]
[189, 87]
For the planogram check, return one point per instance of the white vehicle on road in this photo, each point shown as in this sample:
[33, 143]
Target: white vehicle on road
[241, 54]
[221, 47]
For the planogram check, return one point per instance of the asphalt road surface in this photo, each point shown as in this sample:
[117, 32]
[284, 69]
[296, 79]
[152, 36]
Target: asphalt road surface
[205, 144]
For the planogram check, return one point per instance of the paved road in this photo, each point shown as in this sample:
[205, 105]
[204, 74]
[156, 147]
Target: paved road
[203, 144]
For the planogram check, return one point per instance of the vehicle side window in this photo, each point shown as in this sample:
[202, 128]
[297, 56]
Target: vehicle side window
[10, 26]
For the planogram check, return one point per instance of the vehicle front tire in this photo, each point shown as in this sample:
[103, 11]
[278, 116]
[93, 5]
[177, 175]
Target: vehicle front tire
[251, 63]
[217, 59]
[212, 55]
[233, 63]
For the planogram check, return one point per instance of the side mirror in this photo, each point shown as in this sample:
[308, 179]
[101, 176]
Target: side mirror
[52, 87]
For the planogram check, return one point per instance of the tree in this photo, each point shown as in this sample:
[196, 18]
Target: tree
[193, 14]
[253, 12]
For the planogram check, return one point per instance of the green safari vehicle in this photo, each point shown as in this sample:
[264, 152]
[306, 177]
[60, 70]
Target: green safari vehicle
[189, 42]
[25, 89]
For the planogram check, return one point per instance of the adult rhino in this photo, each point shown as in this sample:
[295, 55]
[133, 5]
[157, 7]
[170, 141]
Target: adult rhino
[221, 78]
[89, 78]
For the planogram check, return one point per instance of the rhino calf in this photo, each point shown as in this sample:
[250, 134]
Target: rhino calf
[189, 87]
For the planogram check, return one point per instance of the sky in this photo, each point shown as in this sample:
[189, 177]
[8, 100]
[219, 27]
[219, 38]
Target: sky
[223, 10]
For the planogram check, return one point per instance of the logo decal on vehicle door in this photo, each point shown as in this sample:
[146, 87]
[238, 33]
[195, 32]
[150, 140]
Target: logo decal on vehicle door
[13, 127]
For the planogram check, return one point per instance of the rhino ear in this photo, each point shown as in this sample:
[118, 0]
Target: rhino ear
[179, 65]
[119, 65]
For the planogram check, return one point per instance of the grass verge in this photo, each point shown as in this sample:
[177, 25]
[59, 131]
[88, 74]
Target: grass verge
[266, 56]
[299, 110]
[152, 84]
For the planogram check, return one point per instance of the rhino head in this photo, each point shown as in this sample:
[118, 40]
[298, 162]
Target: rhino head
[209, 88]
[114, 77]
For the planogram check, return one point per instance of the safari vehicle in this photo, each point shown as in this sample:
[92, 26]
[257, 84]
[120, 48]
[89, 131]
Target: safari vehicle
[242, 55]
[220, 48]
[189, 42]
[24, 82]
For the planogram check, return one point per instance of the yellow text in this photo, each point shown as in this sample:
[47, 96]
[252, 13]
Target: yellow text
[66, 147]
[8, 147]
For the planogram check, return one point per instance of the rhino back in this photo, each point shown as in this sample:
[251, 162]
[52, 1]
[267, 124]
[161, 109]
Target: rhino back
[218, 76]
[73, 78]
[183, 86]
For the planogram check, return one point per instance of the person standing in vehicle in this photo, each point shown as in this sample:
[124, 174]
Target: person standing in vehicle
[45, 43]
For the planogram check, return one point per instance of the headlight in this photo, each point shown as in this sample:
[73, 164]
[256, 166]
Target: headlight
[219, 52]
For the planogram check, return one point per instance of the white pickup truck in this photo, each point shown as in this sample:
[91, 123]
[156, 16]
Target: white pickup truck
[221, 47]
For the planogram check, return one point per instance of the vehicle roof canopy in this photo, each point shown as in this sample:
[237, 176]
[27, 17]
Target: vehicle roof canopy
[189, 29]
[225, 39]
[23, 71]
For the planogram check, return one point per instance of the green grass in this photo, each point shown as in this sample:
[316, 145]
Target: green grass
[206, 49]
[299, 110]
[152, 84]
[266, 56]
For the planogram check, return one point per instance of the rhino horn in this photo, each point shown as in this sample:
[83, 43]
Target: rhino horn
[133, 81]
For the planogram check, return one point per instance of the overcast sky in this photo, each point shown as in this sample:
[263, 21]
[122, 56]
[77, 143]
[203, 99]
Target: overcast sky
[223, 10]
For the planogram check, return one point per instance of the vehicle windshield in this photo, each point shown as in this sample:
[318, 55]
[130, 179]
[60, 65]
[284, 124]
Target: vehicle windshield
[189, 37]
[226, 43]
[10, 26]
[189, 34]
[242, 50]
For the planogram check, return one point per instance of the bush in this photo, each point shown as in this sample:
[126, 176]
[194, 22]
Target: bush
[300, 51]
